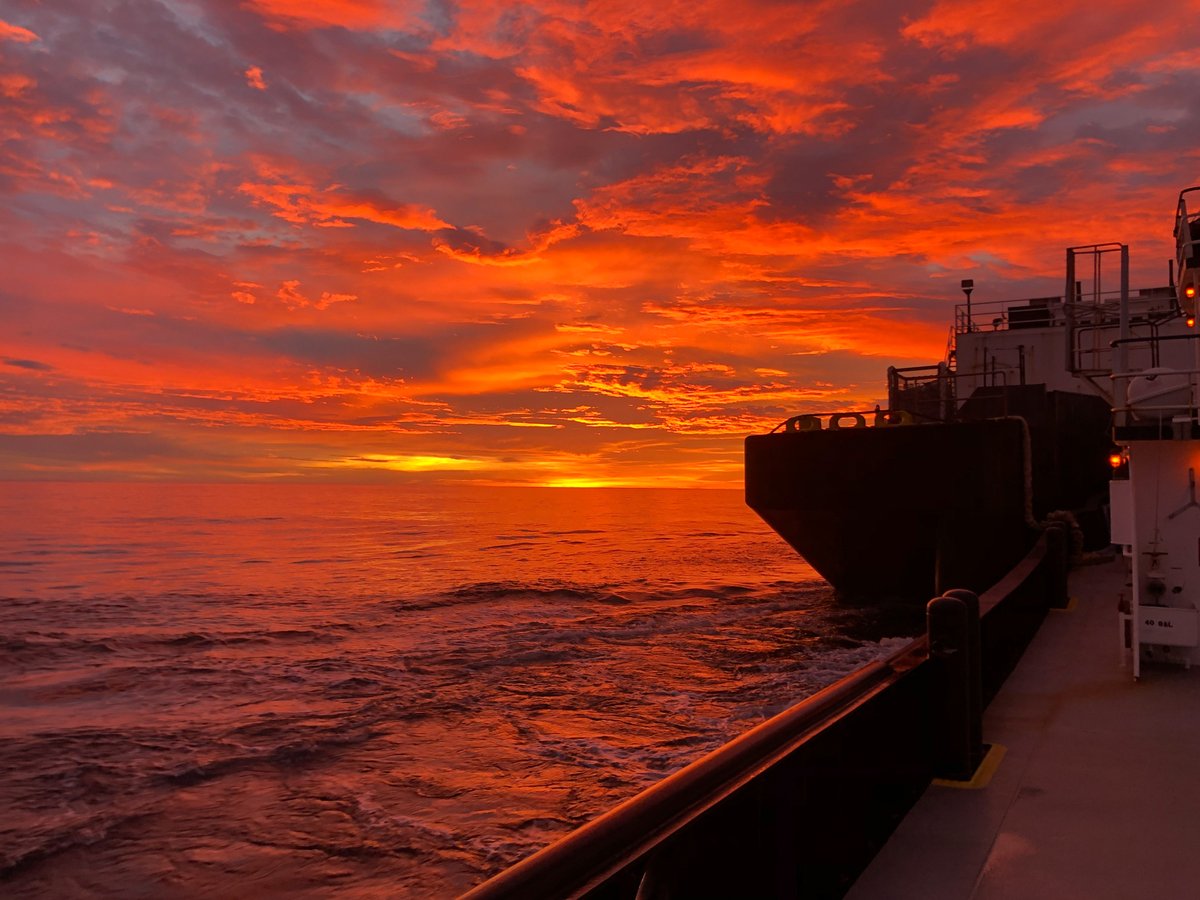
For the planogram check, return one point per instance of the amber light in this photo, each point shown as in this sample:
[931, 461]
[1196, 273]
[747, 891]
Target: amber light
[1114, 460]
[1190, 291]
[1191, 321]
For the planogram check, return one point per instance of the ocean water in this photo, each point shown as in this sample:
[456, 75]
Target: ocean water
[374, 691]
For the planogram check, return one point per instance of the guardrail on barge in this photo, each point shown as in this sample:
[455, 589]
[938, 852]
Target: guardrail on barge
[798, 805]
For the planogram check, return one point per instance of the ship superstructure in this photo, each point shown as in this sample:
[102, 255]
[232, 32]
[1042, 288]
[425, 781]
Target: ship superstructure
[1155, 512]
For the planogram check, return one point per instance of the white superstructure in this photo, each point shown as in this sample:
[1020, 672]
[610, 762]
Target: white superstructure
[1156, 513]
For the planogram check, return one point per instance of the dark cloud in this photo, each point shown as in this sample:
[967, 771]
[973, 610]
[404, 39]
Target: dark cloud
[90, 447]
[411, 357]
[32, 364]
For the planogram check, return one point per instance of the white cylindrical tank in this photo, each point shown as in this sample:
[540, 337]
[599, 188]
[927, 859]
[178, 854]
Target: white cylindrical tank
[1159, 394]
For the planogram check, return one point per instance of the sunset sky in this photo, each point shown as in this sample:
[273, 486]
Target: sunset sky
[539, 242]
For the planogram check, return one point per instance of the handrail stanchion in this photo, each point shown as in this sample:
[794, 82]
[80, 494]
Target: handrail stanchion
[953, 624]
[974, 663]
[1058, 559]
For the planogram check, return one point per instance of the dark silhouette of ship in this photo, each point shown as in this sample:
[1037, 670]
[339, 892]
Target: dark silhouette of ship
[899, 510]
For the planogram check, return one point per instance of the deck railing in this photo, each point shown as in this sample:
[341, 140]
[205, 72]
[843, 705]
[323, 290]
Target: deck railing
[1089, 308]
[798, 805]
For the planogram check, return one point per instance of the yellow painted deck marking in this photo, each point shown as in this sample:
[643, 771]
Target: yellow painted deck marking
[983, 775]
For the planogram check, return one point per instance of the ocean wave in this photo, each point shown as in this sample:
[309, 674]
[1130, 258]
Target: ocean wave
[499, 592]
[45, 648]
[330, 632]
[290, 750]
[46, 838]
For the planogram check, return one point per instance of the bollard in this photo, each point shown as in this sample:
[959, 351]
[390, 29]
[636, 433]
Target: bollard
[958, 711]
[1057, 555]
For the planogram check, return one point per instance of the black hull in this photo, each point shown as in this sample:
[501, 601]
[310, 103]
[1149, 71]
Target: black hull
[907, 511]
[898, 512]
[1070, 438]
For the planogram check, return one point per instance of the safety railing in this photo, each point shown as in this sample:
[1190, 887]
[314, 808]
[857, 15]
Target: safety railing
[798, 805]
[848, 419]
[918, 394]
[1090, 308]
[927, 392]
[999, 315]
[1094, 351]
[933, 393]
[1187, 235]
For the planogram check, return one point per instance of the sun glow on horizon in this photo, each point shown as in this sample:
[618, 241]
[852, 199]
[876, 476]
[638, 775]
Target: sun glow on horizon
[580, 482]
[414, 463]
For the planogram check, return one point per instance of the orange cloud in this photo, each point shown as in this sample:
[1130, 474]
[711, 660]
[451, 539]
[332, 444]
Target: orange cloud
[955, 25]
[356, 14]
[10, 32]
[254, 78]
[773, 68]
[14, 84]
[303, 204]
[291, 297]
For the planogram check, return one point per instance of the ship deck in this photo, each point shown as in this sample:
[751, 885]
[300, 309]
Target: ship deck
[1096, 794]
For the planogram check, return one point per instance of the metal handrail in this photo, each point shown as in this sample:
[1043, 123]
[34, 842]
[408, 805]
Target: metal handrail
[991, 315]
[1160, 407]
[1098, 352]
[956, 376]
[579, 861]
[1014, 578]
[1167, 337]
